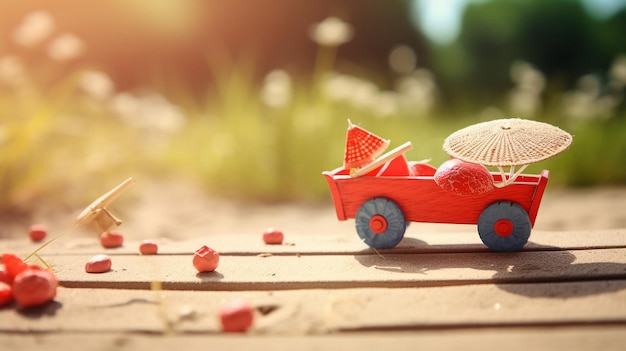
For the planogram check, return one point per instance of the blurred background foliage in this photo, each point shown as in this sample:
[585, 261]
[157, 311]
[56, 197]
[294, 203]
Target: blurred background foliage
[250, 98]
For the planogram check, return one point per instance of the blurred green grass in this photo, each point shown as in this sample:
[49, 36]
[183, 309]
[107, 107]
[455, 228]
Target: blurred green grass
[62, 147]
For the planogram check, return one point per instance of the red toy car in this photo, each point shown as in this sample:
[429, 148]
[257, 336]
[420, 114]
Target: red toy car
[383, 194]
[382, 205]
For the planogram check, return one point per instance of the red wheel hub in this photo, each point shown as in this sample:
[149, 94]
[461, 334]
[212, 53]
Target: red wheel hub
[503, 227]
[378, 224]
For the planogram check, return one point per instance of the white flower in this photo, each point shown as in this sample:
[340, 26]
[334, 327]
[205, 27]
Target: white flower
[66, 47]
[618, 71]
[339, 87]
[386, 104]
[97, 84]
[527, 77]
[590, 85]
[363, 94]
[524, 102]
[34, 29]
[332, 31]
[525, 98]
[578, 105]
[276, 90]
[150, 112]
[417, 91]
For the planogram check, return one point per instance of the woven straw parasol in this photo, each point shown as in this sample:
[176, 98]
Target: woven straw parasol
[507, 143]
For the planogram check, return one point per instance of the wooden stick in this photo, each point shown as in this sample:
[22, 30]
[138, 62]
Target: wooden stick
[512, 176]
[382, 159]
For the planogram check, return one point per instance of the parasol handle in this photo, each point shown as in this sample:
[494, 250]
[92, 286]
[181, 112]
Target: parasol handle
[382, 160]
[512, 176]
[105, 199]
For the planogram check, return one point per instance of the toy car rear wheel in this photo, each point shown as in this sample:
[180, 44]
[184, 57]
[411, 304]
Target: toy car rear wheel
[504, 226]
[380, 223]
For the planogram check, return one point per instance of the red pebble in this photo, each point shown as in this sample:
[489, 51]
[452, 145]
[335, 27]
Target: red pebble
[273, 236]
[5, 293]
[13, 265]
[206, 259]
[37, 232]
[464, 178]
[34, 287]
[148, 247]
[236, 316]
[110, 240]
[98, 264]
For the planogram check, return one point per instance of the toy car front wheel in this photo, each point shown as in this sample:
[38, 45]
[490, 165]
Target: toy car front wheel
[380, 223]
[504, 226]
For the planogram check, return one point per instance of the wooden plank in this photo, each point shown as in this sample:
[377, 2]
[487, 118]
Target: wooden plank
[606, 338]
[415, 241]
[572, 339]
[301, 272]
[317, 311]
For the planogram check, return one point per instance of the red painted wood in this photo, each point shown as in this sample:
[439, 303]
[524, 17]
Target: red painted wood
[422, 200]
[541, 187]
[398, 166]
[334, 192]
[422, 169]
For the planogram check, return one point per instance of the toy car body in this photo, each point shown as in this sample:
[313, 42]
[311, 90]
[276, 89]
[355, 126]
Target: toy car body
[383, 203]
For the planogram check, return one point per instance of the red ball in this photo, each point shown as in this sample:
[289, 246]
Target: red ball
[206, 259]
[236, 316]
[273, 236]
[37, 232]
[464, 178]
[110, 240]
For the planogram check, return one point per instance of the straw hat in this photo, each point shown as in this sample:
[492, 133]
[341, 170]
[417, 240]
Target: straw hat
[507, 142]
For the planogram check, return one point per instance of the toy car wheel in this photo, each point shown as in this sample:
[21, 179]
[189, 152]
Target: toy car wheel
[380, 223]
[504, 226]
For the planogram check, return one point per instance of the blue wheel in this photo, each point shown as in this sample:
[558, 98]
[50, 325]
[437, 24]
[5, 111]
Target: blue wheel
[504, 226]
[380, 223]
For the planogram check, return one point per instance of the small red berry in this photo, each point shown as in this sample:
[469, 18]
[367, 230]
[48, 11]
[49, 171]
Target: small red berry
[110, 240]
[34, 287]
[273, 236]
[13, 265]
[148, 247]
[4, 276]
[98, 264]
[236, 316]
[37, 232]
[5, 293]
[206, 259]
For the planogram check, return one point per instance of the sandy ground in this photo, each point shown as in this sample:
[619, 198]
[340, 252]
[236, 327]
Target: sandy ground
[179, 210]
